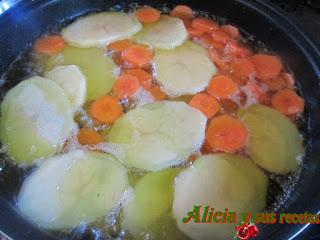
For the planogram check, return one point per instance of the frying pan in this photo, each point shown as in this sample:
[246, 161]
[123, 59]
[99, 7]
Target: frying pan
[26, 20]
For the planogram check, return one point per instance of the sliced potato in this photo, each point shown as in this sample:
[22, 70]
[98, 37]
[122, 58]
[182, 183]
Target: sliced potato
[99, 29]
[71, 79]
[93, 63]
[219, 181]
[185, 70]
[36, 119]
[152, 201]
[167, 33]
[77, 187]
[158, 135]
[274, 141]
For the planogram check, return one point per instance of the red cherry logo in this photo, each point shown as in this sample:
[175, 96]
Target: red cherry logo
[245, 231]
[253, 231]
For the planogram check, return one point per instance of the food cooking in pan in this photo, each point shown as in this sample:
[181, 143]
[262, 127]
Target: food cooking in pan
[128, 120]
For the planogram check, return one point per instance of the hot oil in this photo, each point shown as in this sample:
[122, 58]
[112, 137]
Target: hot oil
[11, 176]
[110, 227]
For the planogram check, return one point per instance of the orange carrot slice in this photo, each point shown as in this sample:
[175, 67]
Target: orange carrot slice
[49, 45]
[137, 55]
[208, 42]
[254, 92]
[87, 136]
[187, 22]
[182, 11]
[157, 93]
[126, 86]
[289, 80]
[206, 148]
[220, 36]
[148, 15]
[222, 87]
[288, 102]
[242, 68]
[275, 84]
[235, 50]
[120, 45]
[207, 104]
[227, 134]
[106, 109]
[267, 66]
[205, 25]
[144, 77]
[231, 30]
[239, 80]
[216, 57]
[264, 99]
[116, 56]
[193, 32]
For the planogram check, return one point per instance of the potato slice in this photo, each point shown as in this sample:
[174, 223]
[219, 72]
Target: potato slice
[158, 135]
[72, 81]
[274, 141]
[219, 181]
[99, 29]
[36, 119]
[77, 187]
[93, 63]
[185, 70]
[167, 33]
[152, 203]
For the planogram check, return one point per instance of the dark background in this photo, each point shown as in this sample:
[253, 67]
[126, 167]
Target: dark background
[305, 13]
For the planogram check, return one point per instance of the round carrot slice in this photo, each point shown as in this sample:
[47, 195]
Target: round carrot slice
[227, 134]
[235, 50]
[289, 78]
[117, 59]
[193, 32]
[288, 102]
[119, 46]
[267, 66]
[220, 36]
[242, 68]
[137, 55]
[231, 30]
[187, 22]
[126, 86]
[182, 11]
[207, 104]
[222, 87]
[106, 109]
[205, 25]
[216, 57]
[144, 77]
[87, 136]
[207, 41]
[148, 15]
[49, 45]
[275, 84]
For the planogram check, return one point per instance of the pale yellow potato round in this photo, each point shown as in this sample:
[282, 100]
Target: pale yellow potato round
[219, 181]
[99, 29]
